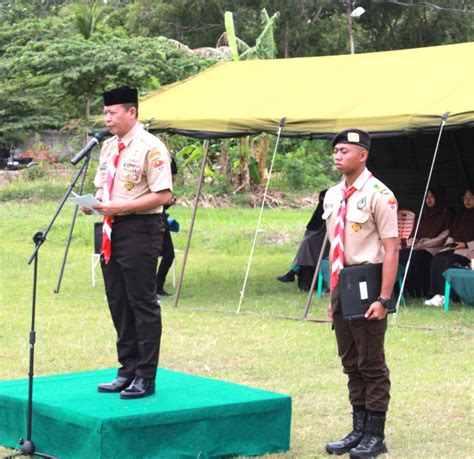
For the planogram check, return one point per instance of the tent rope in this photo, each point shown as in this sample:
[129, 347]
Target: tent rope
[407, 267]
[242, 291]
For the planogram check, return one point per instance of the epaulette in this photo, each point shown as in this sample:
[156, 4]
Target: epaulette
[379, 187]
[149, 140]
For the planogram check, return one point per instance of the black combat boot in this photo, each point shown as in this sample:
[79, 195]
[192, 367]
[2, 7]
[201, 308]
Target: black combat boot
[288, 277]
[372, 443]
[352, 439]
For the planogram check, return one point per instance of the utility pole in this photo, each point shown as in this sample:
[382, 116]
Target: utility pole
[359, 11]
[349, 19]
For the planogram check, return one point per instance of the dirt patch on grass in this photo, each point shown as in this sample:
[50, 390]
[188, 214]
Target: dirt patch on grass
[275, 199]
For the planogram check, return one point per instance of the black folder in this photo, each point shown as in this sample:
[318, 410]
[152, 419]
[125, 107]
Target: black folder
[359, 287]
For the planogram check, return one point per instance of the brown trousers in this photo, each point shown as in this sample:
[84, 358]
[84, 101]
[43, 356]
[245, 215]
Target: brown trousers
[361, 348]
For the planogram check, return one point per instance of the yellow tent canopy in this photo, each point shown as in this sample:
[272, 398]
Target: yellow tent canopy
[386, 92]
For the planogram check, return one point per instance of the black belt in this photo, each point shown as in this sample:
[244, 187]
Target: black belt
[123, 218]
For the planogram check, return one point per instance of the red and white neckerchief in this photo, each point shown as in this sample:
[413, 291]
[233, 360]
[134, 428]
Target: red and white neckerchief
[338, 242]
[106, 249]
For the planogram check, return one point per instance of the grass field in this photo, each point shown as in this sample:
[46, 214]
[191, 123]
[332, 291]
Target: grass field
[430, 352]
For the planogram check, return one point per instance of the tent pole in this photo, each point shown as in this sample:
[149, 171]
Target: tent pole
[407, 267]
[316, 272]
[193, 218]
[242, 291]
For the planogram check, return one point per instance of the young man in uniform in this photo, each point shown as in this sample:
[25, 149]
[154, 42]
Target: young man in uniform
[133, 182]
[361, 220]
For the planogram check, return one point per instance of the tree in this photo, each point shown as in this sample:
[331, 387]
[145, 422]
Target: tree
[28, 102]
[87, 15]
[413, 24]
[47, 80]
[15, 11]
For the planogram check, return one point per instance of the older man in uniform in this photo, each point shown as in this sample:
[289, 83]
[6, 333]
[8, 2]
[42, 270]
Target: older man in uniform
[361, 220]
[133, 182]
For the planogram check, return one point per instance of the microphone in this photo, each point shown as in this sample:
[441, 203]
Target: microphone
[96, 138]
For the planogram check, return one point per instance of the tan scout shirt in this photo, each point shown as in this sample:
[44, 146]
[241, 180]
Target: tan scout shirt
[371, 215]
[144, 166]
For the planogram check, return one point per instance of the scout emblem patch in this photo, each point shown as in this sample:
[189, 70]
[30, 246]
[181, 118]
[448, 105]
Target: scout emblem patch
[361, 204]
[158, 164]
[392, 202]
[129, 186]
[153, 155]
[353, 137]
[356, 227]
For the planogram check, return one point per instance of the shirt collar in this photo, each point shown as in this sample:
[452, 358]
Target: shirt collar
[360, 181]
[130, 135]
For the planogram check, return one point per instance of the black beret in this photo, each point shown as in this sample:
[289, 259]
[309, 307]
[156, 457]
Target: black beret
[122, 95]
[354, 137]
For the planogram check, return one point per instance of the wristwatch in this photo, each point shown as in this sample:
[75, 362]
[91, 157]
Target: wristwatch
[385, 301]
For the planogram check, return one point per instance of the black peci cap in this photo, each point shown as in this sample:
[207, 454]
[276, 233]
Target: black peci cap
[354, 137]
[122, 95]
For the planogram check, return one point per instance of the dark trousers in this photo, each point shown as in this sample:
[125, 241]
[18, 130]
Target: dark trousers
[167, 257]
[441, 262]
[361, 349]
[130, 285]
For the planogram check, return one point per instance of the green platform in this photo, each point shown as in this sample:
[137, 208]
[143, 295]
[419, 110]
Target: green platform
[189, 416]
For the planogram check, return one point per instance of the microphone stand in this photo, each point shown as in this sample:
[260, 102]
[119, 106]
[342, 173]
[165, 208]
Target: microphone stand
[71, 228]
[28, 447]
[85, 152]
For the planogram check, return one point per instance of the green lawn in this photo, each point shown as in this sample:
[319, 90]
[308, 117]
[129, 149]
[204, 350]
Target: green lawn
[429, 351]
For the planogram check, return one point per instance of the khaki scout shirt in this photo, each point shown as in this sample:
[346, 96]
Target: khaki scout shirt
[371, 215]
[144, 166]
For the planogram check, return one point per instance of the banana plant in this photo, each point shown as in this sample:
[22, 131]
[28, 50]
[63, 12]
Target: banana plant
[265, 46]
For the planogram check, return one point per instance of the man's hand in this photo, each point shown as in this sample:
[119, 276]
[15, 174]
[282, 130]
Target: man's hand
[110, 208]
[86, 210]
[460, 245]
[329, 312]
[376, 311]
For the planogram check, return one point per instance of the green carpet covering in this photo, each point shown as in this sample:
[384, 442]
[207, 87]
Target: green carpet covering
[189, 416]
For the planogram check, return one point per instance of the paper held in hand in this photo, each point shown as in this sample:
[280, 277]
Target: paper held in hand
[85, 201]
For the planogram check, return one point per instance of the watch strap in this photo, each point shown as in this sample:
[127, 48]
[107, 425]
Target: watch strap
[385, 301]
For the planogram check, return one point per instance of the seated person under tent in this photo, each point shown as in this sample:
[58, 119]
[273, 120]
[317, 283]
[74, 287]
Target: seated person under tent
[307, 256]
[458, 249]
[432, 233]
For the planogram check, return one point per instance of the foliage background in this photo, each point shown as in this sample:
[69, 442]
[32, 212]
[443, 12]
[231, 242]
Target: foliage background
[57, 56]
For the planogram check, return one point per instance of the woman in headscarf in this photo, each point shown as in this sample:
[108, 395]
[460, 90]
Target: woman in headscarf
[306, 258]
[458, 249]
[432, 234]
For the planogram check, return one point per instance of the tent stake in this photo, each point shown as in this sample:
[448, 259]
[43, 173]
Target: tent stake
[191, 226]
[242, 292]
[407, 267]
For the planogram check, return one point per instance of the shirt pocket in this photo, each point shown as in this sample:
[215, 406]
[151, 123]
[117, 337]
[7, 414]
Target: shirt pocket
[357, 216]
[103, 171]
[129, 176]
[357, 223]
